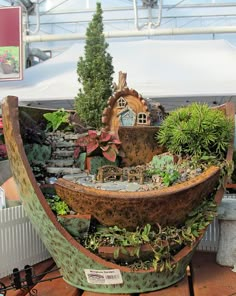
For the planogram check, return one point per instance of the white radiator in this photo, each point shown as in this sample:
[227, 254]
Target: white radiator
[19, 243]
[209, 243]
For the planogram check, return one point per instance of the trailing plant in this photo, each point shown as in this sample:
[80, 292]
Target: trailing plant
[164, 241]
[99, 142]
[57, 119]
[95, 72]
[197, 131]
[58, 206]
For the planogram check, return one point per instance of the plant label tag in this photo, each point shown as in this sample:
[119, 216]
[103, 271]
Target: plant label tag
[103, 277]
[2, 198]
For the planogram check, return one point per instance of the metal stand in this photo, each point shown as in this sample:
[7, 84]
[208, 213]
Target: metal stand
[27, 282]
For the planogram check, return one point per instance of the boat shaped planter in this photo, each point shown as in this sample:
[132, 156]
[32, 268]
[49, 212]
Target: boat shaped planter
[69, 255]
[168, 206]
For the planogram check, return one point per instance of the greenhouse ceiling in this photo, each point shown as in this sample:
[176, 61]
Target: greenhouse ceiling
[57, 24]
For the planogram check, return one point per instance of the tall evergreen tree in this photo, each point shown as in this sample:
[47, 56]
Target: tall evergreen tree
[94, 73]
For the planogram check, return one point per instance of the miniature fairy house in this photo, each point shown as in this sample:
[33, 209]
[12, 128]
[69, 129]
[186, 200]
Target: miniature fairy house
[125, 108]
[128, 108]
[135, 120]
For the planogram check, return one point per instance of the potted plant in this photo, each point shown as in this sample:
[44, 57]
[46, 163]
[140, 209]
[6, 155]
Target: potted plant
[111, 208]
[140, 208]
[97, 144]
[168, 207]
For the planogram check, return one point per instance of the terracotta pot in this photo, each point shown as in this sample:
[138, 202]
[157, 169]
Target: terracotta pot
[168, 206]
[139, 144]
[130, 255]
[7, 69]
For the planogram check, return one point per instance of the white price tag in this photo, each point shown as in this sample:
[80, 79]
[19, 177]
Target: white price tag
[103, 277]
[2, 198]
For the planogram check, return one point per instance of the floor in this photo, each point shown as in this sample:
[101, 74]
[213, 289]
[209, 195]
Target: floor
[203, 278]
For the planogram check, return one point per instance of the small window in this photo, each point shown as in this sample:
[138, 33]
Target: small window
[121, 102]
[142, 118]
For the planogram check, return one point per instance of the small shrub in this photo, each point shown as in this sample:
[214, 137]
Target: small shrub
[95, 72]
[197, 131]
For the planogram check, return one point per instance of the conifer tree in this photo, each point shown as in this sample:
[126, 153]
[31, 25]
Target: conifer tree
[94, 73]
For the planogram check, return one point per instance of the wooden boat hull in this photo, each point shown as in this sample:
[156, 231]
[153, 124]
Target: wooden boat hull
[69, 255]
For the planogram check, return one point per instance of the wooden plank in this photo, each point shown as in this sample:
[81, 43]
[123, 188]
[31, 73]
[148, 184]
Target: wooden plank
[209, 278]
[38, 269]
[55, 287]
[179, 289]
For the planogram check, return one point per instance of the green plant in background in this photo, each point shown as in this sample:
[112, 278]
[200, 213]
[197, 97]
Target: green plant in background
[57, 119]
[95, 72]
[197, 131]
[58, 206]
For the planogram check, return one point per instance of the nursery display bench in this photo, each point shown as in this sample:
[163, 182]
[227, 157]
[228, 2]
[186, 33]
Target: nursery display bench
[80, 267]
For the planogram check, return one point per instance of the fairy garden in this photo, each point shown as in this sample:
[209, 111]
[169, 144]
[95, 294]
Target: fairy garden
[83, 172]
[129, 182]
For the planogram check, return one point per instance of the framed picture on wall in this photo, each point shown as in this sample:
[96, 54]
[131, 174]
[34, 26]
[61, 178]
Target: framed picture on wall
[11, 64]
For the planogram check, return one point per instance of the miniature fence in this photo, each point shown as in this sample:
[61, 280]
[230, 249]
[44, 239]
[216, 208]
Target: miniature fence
[19, 243]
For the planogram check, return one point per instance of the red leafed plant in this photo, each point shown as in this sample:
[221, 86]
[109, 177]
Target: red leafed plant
[97, 142]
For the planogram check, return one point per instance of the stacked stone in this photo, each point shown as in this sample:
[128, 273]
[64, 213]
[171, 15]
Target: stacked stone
[63, 145]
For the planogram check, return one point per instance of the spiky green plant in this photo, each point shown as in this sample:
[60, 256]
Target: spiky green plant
[197, 131]
[95, 72]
